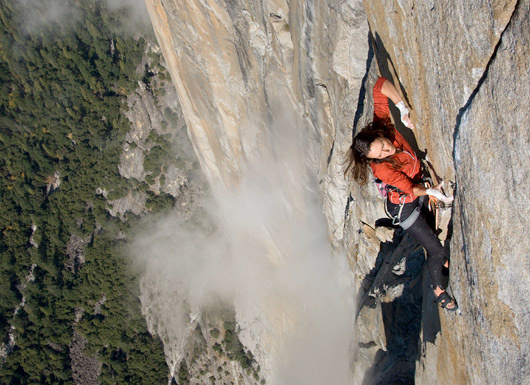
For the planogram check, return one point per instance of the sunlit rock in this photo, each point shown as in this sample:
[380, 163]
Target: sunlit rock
[240, 68]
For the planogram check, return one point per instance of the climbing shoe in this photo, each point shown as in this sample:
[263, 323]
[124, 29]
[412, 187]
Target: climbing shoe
[446, 301]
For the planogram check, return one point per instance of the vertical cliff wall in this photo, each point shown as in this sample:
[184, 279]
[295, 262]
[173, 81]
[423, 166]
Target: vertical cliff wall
[462, 66]
[265, 88]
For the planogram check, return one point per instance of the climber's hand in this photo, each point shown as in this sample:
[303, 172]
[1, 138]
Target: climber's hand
[404, 111]
[438, 194]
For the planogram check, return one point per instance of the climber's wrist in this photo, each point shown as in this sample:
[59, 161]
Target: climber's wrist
[404, 112]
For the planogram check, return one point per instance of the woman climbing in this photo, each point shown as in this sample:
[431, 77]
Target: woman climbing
[392, 160]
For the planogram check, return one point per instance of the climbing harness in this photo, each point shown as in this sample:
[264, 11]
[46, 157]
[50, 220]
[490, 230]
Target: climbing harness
[396, 220]
[385, 190]
[409, 221]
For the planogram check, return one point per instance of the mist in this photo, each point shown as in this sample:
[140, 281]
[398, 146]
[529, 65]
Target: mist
[263, 248]
[35, 15]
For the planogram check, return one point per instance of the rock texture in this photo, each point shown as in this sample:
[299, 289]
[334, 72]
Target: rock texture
[463, 67]
[466, 78]
[75, 249]
[243, 71]
[236, 63]
[85, 369]
[157, 150]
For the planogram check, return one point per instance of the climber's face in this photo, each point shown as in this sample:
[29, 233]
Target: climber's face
[380, 149]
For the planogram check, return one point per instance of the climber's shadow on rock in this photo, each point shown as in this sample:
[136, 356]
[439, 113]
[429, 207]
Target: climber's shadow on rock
[391, 301]
[395, 301]
[385, 63]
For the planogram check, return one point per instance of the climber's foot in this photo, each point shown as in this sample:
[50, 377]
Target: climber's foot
[445, 300]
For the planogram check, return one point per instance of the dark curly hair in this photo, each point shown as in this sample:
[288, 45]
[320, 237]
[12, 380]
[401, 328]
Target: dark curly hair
[358, 162]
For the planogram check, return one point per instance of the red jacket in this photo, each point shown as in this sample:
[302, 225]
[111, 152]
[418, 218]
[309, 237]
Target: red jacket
[409, 173]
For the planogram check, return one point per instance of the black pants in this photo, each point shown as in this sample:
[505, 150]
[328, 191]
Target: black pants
[424, 235]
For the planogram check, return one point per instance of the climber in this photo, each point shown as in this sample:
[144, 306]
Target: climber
[393, 161]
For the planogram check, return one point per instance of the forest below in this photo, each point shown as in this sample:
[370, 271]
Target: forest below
[67, 292]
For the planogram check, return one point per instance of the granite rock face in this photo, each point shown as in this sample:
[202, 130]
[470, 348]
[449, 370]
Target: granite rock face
[251, 78]
[463, 68]
[237, 64]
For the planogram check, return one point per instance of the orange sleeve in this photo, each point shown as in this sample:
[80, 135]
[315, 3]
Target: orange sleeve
[396, 178]
[381, 110]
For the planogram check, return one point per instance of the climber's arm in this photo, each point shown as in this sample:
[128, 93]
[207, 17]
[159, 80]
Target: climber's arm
[419, 190]
[390, 91]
